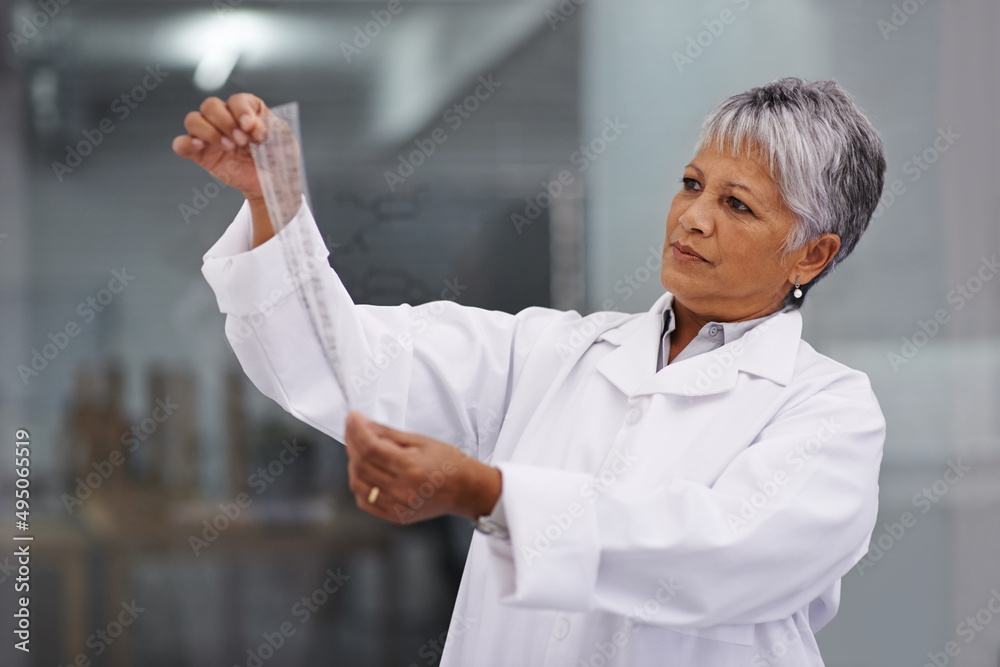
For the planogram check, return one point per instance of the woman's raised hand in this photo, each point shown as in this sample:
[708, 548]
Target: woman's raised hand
[219, 136]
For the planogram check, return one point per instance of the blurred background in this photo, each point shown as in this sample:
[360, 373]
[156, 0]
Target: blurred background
[144, 431]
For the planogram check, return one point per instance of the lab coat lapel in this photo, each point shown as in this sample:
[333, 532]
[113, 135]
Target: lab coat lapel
[768, 350]
[633, 364]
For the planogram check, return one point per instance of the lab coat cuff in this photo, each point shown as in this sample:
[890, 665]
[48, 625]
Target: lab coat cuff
[498, 516]
[551, 558]
[248, 280]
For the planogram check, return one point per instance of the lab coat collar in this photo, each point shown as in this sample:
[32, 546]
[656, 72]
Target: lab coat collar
[768, 350]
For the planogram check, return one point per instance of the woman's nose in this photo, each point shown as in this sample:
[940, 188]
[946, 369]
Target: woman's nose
[697, 218]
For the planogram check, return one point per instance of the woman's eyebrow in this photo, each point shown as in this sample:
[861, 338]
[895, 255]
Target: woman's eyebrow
[745, 189]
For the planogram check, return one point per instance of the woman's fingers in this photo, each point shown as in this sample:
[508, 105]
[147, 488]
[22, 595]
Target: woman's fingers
[214, 111]
[215, 142]
[188, 147]
[402, 438]
[198, 127]
[399, 437]
[362, 478]
[250, 113]
[369, 447]
[226, 124]
[401, 465]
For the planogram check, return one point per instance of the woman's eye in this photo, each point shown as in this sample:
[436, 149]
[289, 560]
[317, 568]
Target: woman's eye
[692, 185]
[739, 206]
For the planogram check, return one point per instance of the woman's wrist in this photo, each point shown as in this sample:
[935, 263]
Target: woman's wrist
[262, 228]
[481, 488]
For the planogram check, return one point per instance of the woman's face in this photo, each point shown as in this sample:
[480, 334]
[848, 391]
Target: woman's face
[729, 212]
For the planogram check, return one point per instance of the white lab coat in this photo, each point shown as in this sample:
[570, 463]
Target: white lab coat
[700, 516]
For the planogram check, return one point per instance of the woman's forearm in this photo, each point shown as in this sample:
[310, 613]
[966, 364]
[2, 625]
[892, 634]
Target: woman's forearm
[262, 229]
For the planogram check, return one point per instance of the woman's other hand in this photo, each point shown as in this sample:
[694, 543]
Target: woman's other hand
[418, 477]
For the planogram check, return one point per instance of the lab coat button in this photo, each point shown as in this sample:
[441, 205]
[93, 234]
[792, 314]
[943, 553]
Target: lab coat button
[633, 416]
[561, 630]
[713, 330]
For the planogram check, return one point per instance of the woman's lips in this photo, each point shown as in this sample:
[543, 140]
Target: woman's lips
[682, 253]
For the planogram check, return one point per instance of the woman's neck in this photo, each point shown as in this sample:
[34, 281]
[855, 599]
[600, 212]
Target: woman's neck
[688, 323]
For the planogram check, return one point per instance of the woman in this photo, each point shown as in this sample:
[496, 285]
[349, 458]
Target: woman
[684, 486]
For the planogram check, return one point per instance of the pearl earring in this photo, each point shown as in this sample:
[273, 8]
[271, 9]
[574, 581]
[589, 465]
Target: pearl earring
[797, 293]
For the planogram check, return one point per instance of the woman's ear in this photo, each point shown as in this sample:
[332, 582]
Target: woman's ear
[818, 253]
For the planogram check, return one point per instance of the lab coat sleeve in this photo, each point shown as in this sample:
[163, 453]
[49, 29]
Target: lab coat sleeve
[787, 518]
[439, 368]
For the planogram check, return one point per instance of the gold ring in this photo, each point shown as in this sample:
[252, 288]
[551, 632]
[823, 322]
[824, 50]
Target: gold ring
[373, 495]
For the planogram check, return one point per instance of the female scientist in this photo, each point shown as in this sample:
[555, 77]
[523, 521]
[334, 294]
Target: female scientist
[684, 486]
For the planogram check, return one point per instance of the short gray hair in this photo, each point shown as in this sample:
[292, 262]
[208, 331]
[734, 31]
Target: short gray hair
[827, 159]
